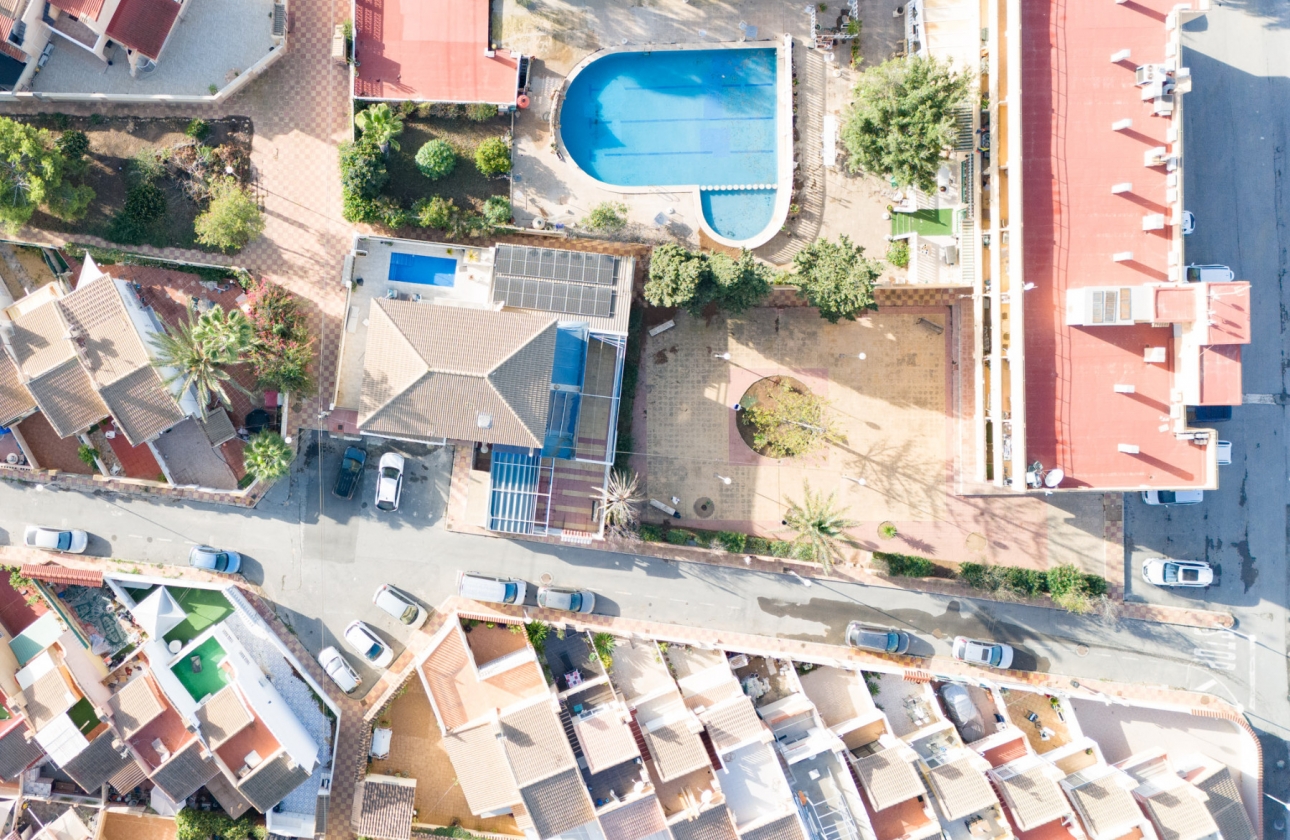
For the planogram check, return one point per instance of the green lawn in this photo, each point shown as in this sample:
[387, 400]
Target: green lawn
[82, 714]
[211, 679]
[204, 607]
[923, 222]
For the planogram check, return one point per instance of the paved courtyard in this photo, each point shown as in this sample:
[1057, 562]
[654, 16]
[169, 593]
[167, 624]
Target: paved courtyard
[893, 410]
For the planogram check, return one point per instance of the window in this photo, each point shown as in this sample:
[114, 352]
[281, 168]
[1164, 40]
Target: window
[575, 602]
[64, 540]
[511, 593]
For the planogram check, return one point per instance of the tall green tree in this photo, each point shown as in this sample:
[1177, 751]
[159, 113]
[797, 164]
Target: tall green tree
[674, 275]
[33, 175]
[819, 524]
[739, 284]
[268, 456]
[678, 277]
[197, 360]
[231, 219]
[837, 278]
[381, 125]
[902, 118]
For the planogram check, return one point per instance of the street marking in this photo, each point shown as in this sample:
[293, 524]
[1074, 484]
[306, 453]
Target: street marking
[1206, 686]
[1260, 399]
[1254, 695]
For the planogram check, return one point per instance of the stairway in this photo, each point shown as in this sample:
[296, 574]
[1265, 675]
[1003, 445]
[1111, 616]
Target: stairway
[640, 738]
[566, 720]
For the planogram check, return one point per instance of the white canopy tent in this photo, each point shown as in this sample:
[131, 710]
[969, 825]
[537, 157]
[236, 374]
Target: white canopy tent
[159, 613]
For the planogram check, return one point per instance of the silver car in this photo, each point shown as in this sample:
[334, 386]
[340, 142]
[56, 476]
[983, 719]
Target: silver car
[877, 639]
[572, 600]
[400, 606]
[964, 713]
[389, 481]
[70, 540]
[367, 644]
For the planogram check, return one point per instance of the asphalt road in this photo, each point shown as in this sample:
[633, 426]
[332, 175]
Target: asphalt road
[1235, 145]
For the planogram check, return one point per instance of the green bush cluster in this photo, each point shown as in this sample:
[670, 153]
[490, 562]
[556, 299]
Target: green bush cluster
[481, 111]
[680, 536]
[192, 824]
[651, 533]
[493, 156]
[692, 279]
[905, 565]
[1069, 587]
[362, 176]
[436, 159]
[732, 541]
[198, 130]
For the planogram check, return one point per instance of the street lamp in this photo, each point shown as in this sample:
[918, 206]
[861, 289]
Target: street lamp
[723, 479]
[859, 481]
[800, 579]
[860, 356]
[725, 356]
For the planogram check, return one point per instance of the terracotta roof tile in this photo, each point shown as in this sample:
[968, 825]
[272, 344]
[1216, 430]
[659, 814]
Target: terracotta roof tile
[384, 806]
[558, 804]
[54, 573]
[535, 743]
[636, 820]
[223, 716]
[961, 788]
[712, 824]
[1034, 798]
[87, 9]
[67, 398]
[15, 400]
[143, 25]
[1107, 808]
[887, 779]
[18, 750]
[482, 770]
[606, 740]
[228, 796]
[134, 706]
[784, 828]
[733, 723]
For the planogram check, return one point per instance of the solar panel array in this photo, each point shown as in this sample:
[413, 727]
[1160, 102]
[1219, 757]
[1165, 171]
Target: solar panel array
[552, 280]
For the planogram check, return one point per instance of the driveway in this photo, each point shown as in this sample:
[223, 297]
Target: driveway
[1235, 148]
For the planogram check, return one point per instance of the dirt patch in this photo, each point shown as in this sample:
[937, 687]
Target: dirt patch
[114, 142]
[660, 358]
[655, 315]
[465, 185]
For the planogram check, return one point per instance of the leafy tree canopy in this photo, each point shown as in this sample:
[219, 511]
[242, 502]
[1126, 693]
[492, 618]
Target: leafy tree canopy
[380, 125]
[493, 156]
[268, 456]
[436, 159]
[231, 220]
[837, 278]
[902, 117]
[678, 277]
[32, 171]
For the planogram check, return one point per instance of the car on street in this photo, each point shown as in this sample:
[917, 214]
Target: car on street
[1224, 453]
[351, 472]
[394, 602]
[1188, 223]
[215, 560]
[877, 639]
[988, 654]
[389, 481]
[70, 540]
[1165, 571]
[497, 590]
[367, 644]
[338, 669]
[572, 600]
[1173, 497]
[964, 713]
[1209, 274]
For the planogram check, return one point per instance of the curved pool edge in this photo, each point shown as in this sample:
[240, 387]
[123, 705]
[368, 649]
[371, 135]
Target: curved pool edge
[784, 129]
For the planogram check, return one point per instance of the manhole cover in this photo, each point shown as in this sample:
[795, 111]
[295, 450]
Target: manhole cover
[546, 579]
[1082, 650]
[704, 507]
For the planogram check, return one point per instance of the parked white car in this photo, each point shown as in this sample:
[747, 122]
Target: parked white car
[389, 481]
[367, 644]
[1173, 497]
[1209, 274]
[573, 600]
[1165, 571]
[70, 540]
[400, 606]
[497, 590]
[338, 669]
[976, 652]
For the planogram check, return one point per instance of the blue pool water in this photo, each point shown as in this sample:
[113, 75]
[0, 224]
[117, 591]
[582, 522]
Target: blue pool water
[417, 268]
[681, 117]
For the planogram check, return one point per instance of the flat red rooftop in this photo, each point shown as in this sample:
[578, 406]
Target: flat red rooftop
[430, 50]
[1075, 419]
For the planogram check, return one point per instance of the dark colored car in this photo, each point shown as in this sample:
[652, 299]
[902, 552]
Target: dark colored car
[877, 639]
[351, 472]
[1210, 413]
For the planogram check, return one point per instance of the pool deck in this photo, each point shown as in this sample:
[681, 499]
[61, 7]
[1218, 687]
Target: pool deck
[472, 287]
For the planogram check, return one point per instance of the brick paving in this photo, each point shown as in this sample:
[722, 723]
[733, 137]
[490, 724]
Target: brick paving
[136, 461]
[50, 451]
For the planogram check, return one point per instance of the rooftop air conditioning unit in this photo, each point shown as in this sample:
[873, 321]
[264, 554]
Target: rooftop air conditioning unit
[1155, 157]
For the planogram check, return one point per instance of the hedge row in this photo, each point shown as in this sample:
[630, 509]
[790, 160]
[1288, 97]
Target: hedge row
[731, 541]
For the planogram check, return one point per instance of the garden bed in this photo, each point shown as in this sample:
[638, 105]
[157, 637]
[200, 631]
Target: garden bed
[467, 188]
[115, 143]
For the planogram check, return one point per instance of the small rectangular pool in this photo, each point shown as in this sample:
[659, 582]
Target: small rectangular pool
[427, 271]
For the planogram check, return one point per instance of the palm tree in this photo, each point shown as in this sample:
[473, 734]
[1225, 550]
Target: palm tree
[619, 500]
[268, 456]
[196, 361]
[380, 125]
[819, 525]
[227, 332]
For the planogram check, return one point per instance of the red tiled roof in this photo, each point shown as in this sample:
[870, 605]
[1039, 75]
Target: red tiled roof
[88, 9]
[430, 50]
[6, 26]
[143, 25]
[54, 573]
[1075, 419]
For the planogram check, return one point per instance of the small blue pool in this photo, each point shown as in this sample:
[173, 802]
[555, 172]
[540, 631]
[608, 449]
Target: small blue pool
[428, 271]
[704, 118]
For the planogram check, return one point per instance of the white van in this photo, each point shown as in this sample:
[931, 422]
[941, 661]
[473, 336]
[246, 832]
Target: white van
[1209, 274]
[497, 590]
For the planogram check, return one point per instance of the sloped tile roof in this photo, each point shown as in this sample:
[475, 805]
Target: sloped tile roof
[40, 340]
[430, 371]
[93, 766]
[784, 828]
[606, 741]
[838, 695]
[128, 778]
[1224, 805]
[271, 781]
[67, 398]
[535, 743]
[47, 698]
[385, 807]
[141, 405]
[17, 751]
[143, 25]
[888, 779]
[186, 771]
[228, 797]
[1034, 798]
[482, 770]
[223, 716]
[558, 804]
[712, 824]
[1179, 815]
[54, 573]
[1109, 809]
[15, 400]
[732, 723]
[676, 750]
[961, 788]
[636, 820]
[134, 706]
[96, 315]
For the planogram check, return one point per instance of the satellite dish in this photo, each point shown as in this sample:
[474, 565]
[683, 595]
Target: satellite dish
[1054, 477]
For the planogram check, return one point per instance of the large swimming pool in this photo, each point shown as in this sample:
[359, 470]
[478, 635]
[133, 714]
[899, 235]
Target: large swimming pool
[702, 118]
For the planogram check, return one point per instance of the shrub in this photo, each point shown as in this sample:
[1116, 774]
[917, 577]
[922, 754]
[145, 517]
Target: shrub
[680, 536]
[973, 574]
[651, 533]
[198, 129]
[497, 210]
[905, 565]
[481, 111]
[355, 208]
[362, 169]
[192, 824]
[74, 145]
[1028, 582]
[147, 165]
[493, 157]
[434, 212]
[1064, 579]
[145, 202]
[268, 456]
[836, 277]
[887, 531]
[436, 159]
[87, 454]
[231, 220]
[609, 217]
[392, 215]
[1095, 585]
[898, 253]
[732, 541]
